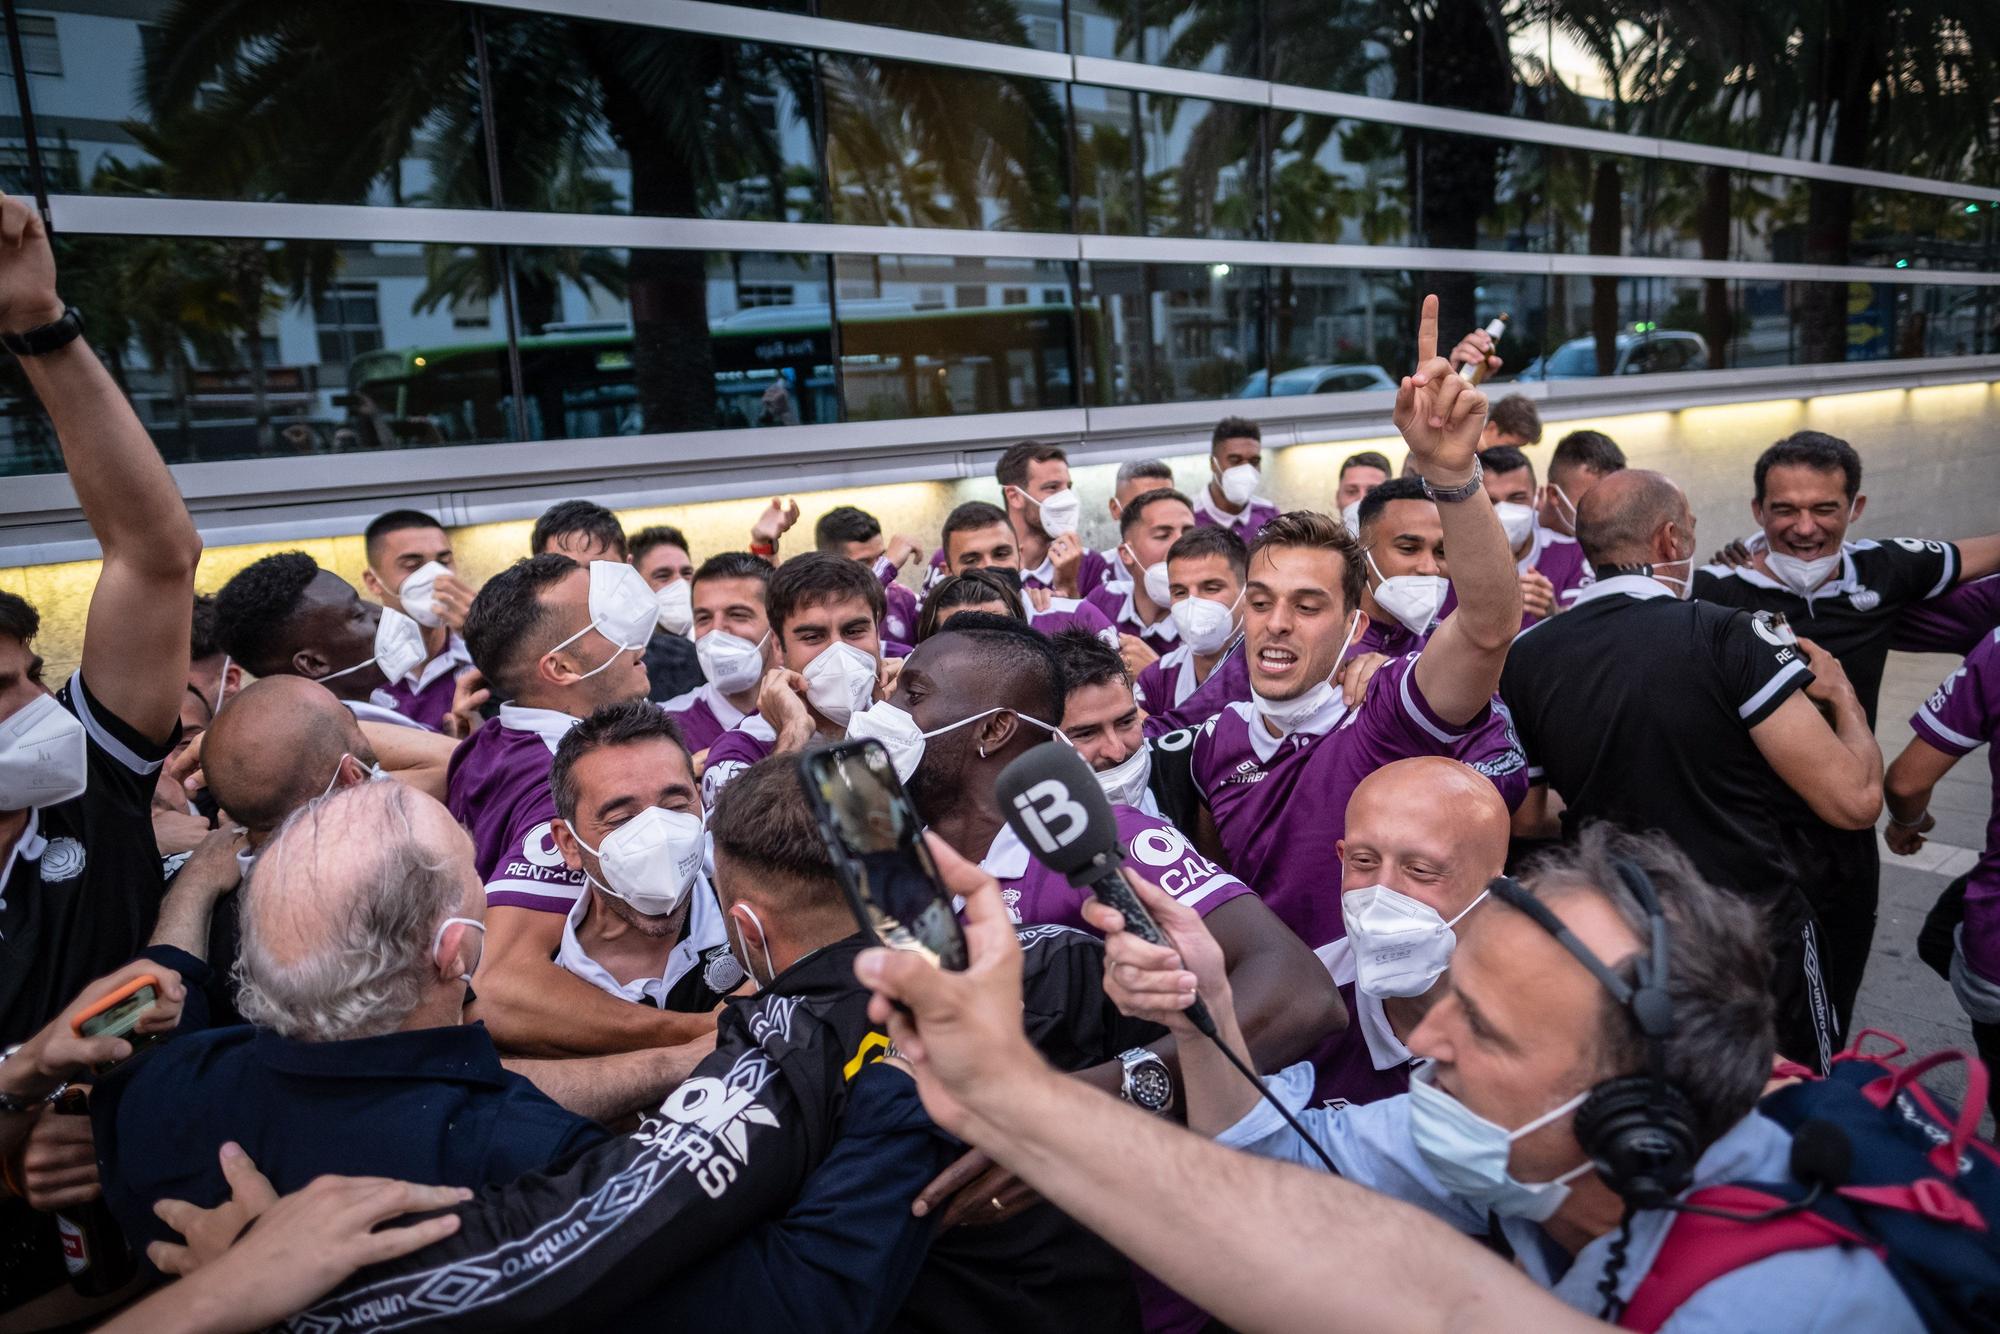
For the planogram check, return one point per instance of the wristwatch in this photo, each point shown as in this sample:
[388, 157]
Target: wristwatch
[1148, 1084]
[46, 338]
[1455, 494]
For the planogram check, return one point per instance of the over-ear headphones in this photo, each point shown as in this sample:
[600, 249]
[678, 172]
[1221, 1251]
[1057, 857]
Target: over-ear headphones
[1638, 1129]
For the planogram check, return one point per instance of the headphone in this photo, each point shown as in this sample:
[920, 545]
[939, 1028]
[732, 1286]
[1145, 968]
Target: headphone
[1638, 1129]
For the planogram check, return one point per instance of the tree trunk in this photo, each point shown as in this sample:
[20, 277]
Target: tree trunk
[1606, 231]
[1715, 317]
[1854, 64]
[252, 273]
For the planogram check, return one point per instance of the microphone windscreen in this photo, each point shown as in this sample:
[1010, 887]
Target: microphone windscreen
[1821, 1153]
[1055, 807]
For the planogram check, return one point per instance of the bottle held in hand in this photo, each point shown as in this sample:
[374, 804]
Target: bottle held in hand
[1472, 372]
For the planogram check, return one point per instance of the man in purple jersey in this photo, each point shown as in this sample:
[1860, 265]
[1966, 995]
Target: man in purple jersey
[1581, 460]
[857, 535]
[1551, 567]
[1206, 571]
[732, 640]
[1135, 478]
[1137, 604]
[548, 636]
[1952, 623]
[1408, 580]
[1044, 514]
[1278, 770]
[977, 536]
[1235, 462]
[826, 621]
[409, 547]
[1962, 715]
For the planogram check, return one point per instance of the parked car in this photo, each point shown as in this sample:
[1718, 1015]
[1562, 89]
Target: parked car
[1638, 354]
[1317, 380]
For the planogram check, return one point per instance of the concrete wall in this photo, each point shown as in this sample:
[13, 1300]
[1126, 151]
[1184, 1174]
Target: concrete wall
[1932, 456]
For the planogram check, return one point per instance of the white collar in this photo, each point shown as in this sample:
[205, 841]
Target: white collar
[1318, 723]
[1046, 572]
[547, 724]
[1385, 1049]
[454, 657]
[1007, 858]
[376, 711]
[1205, 508]
[1184, 682]
[1544, 539]
[29, 847]
[704, 931]
[1128, 614]
[718, 703]
[1641, 586]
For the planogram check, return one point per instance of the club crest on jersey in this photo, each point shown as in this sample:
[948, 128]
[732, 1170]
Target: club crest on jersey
[1864, 599]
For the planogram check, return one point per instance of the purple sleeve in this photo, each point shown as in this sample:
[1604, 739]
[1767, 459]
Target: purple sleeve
[530, 872]
[1094, 572]
[1162, 856]
[1399, 722]
[1952, 623]
[733, 752]
[1154, 691]
[1960, 715]
[899, 622]
[1088, 617]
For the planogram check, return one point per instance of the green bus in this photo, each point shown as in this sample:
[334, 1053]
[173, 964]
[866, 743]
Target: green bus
[896, 362]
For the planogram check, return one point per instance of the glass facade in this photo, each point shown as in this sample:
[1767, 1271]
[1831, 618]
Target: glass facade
[265, 344]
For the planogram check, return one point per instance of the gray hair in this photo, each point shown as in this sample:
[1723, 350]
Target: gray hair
[1133, 470]
[362, 889]
[1719, 969]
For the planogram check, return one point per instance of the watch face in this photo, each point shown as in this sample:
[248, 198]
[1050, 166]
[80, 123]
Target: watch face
[1152, 1087]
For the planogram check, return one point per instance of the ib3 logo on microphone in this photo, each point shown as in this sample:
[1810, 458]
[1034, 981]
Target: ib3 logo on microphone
[1051, 815]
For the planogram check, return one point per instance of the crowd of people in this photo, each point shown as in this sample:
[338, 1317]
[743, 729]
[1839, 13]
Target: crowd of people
[500, 975]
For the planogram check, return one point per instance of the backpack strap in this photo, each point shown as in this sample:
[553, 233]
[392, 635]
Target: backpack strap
[1700, 1249]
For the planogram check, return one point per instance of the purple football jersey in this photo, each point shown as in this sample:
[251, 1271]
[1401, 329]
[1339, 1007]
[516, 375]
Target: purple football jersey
[1558, 559]
[899, 622]
[1092, 573]
[1207, 514]
[1961, 716]
[1070, 614]
[497, 786]
[1115, 600]
[1385, 636]
[703, 716]
[733, 752]
[1158, 852]
[424, 697]
[1280, 804]
[1492, 748]
[1228, 683]
[1952, 623]
[1365, 1061]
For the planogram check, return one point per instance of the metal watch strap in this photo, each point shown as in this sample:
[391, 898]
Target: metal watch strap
[1466, 491]
[46, 338]
[1137, 1063]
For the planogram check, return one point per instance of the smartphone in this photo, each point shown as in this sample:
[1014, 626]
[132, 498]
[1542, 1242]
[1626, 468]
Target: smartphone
[876, 842]
[117, 1014]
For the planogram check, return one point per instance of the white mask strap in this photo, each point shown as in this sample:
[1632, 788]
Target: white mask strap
[437, 939]
[1469, 907]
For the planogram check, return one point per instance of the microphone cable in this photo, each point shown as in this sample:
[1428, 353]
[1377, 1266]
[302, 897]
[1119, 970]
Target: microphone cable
[1265, 1093]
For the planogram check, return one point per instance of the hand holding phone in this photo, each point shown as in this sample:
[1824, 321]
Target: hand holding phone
[118, 1014]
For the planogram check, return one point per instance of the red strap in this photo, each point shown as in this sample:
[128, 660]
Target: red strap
[1699, 1249]
[1884, 1090]
[1928, 1197]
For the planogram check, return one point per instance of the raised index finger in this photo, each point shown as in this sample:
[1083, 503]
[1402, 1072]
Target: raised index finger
[1427, 331]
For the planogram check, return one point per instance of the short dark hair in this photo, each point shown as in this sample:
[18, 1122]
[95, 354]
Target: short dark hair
[1206, 541]
[843, 524]
[971, 588]
[255, 610]
[1150, 469]
[1012, 469]
[202, 643]
[1517, 415]
[1235, 428]
[762, 820]
[622, 724]
[658, 535]
[1008, 648]
[735, 565]
[1367, 458]
[1087, 661]
[1134, 514]
[1816, 450]
[577, 516]
[969, 517]
[1504, 459]
[1318, 532]
[19, 619]
[1719, 1053]
[508, 618]
[1378, 498]
[395, 521]
[1592, 451]
[814, 579]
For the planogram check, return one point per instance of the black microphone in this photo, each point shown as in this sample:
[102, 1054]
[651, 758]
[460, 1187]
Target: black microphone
[1055, 807]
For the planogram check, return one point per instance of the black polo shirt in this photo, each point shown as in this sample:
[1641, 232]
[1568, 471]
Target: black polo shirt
[1172, 780]
[1853, 615]
[1637, 707]
[82, 886]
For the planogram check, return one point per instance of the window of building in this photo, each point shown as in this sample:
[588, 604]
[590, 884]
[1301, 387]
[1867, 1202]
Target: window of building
[471, 312]
[764, 294]
[40, 51]
[968, 295]
[1013, 296]
[1055, 296]
[349, 316]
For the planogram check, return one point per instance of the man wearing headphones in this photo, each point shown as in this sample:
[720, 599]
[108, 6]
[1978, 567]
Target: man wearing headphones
[1566, 1097]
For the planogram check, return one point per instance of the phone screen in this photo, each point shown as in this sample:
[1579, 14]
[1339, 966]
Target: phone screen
[123, 1017]
[878, 851]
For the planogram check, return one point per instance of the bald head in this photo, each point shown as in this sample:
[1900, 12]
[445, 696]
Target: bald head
[340, 912]
[1620, 521]
[276, 747]
[1431, 828]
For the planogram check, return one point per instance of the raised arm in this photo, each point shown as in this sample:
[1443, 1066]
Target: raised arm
[1441, 417]
[135, 644]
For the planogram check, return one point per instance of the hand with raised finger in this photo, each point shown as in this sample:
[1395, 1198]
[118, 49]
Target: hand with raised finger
[1439, 415]
[776, 520]
[1829, 676]
[1355, 674]
[1157, 983]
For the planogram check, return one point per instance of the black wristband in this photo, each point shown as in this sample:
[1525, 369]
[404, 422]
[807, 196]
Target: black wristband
[46, 338]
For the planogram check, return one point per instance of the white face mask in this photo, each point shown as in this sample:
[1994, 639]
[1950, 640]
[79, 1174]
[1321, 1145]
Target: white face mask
[622, 609]
[1517, 521]
[1801, 576]
[375, 773]
[1287, 715]
[1239, 484]
[1061, 513]
[731, 663]
[419, 594]
[1126, 782]
[1153, 578]
[1468, 1154]
[437, 939]
[651, 861]
[676, 603]
[840, 682]
[44, 759]
[896, 728]
[1413, 599]
[1351, 516]
[1204, 623]
[399, 649]
[1564, 506]
[1401, 945]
